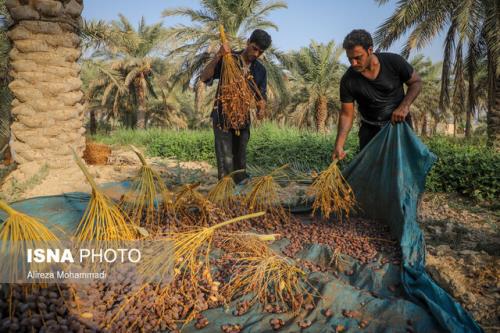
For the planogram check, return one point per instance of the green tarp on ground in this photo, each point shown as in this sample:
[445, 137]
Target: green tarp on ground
[388, 178]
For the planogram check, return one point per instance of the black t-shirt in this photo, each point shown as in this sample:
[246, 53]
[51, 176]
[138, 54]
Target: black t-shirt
[259, 75]
[377, 98]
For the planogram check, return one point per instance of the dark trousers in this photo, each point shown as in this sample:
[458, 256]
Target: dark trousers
[231, 152]
[367, 132]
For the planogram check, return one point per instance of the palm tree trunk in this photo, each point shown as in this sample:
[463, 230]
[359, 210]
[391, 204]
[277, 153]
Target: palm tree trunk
[454, 125]
[424, 125]
[416, 123]
[199, 96]
[321, 114]
[47, 110]
[4, 119]
[141, 109]
[93, 122]
[435, 125]
[493, 115]
[471, 101]
[146, 119]
[141, 116]
[129, 120]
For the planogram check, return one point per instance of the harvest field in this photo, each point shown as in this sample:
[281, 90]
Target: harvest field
[116, 212]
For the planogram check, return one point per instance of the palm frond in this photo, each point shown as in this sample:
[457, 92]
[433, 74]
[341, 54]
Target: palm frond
[200, 38]
[406, 15]
[444, 96]
[201, 16]
[425, 31]
[315, 72]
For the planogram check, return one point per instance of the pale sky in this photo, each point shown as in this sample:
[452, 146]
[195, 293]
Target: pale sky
[321, 20]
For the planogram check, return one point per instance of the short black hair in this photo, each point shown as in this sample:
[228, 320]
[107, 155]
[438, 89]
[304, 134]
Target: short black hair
[358, 37]
[261, 38]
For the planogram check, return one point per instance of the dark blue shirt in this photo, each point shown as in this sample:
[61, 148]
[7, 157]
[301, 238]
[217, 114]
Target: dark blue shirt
[259, 75]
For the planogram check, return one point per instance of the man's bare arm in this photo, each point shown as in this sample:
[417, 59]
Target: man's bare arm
[414, 87]
[209, 70]
[344, 127]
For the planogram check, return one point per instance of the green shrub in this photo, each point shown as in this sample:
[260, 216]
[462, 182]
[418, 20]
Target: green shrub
[273, 146]
[468, 168]
[184, 145]
[124, 137]
[269, 146]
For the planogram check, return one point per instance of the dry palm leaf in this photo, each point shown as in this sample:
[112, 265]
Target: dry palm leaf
[268, 275]
[222, 193]
[103, 221]
[263, 194]
[148, 196]
[332, 193]
[18, 233]
[190, 246]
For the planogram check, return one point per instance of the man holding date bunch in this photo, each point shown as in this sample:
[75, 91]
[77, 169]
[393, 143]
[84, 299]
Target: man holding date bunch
[231, 143]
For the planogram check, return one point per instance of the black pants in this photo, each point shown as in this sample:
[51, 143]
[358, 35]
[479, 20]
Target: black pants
[367, 132]
[231, 152]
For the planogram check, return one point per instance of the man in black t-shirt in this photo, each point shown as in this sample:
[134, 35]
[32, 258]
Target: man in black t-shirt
[375, 82]
[231, 144]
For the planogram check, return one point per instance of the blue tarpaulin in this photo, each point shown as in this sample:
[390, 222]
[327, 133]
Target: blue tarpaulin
[388, 177]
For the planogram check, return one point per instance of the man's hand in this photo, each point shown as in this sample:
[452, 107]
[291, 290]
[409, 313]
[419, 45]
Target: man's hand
[400, 114]
[209, 70]
[338, 153]
[224, 49]
[261, 109]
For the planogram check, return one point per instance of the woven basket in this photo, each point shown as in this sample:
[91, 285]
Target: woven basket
[96, 153]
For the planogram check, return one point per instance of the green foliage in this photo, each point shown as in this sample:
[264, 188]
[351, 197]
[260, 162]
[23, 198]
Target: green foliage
[197, 42]
[184, 145]
[270, 145]
[465, 167]
[125, 137]
[470, 169]
[427, 103]
[273, 146]
[471, 46]
[121, 73]
[315, 73]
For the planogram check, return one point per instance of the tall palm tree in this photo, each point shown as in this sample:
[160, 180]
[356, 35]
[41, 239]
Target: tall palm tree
[5, 21]
[481, 80]
[130, 52]
[110, 98]
[199, 41]
[48, 115]
[4, 90]
[471, 26]
[428, 101]
[315, 73]
[167, 111]
[105, 88]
